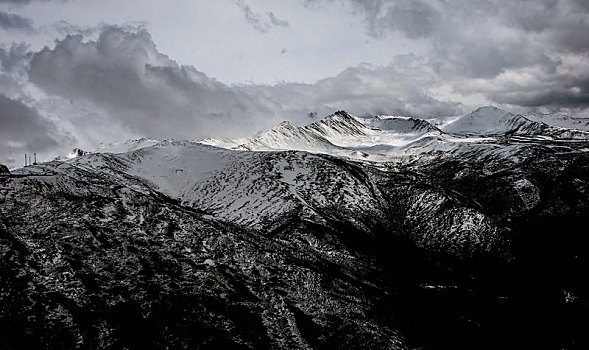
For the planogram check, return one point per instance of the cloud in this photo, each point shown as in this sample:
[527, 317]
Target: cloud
[13, 74]
[16, 1]
[565, 89]
[404, 87]
[12, 59]
[561, 98]
[482, 38]
[582, 4]
[415, 19]
[136, 88]
[569, 92]
[123, 74]
[26, 2]
[24, 130]
[11, 21]
[260, 22]
[277, 22]
[133, 88]
[475, 44]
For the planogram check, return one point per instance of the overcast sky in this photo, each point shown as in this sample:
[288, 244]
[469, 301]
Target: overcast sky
[77, 73]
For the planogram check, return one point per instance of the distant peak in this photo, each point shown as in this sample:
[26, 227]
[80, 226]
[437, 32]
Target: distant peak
[286, 125]
[487, 120]
[339, 117]
[342, 113]
[489, 109]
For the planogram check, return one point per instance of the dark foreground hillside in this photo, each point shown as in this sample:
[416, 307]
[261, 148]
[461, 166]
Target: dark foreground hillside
[464, 252]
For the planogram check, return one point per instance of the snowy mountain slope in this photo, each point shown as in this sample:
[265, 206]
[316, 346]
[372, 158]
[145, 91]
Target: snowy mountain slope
[339, 134]
[560, 120]
[407, 247]
[400, 124]
[90, 262]
[377, 133]
[341, 127]
[288, 136]
[115, 147]
[254, 189]
[488, 121]
[382, 138]
[234, 144]
[125, 146]
[283, 245]
[174, 166]
[264, 190]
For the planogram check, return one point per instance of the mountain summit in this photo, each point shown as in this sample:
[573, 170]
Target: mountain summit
[488, 121]
[379, 138]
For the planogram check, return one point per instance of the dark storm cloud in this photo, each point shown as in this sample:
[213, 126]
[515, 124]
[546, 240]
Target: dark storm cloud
[124, 74]
[582, 4]
[420, 19]
[14, 58]
[11, 21]
[414, 18]
[562, 98]
[482, 38]
[473, 58]
[24, 130]
[261, 23]
[486, 39]
[571, 92]
[13, 75]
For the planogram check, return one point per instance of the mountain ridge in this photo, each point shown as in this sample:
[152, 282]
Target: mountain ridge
[419, 239]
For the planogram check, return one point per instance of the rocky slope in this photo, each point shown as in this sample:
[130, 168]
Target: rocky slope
[372, 233]
[4, 169]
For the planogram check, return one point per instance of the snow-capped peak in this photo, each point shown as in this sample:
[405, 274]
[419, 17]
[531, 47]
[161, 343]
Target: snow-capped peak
[486, 121]
[560, 120]
[338, 125]
[288, 135]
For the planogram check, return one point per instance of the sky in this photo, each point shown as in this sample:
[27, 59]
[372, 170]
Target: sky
[81, 73]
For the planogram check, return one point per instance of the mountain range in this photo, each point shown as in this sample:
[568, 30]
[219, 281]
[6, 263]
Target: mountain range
[381, 232]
